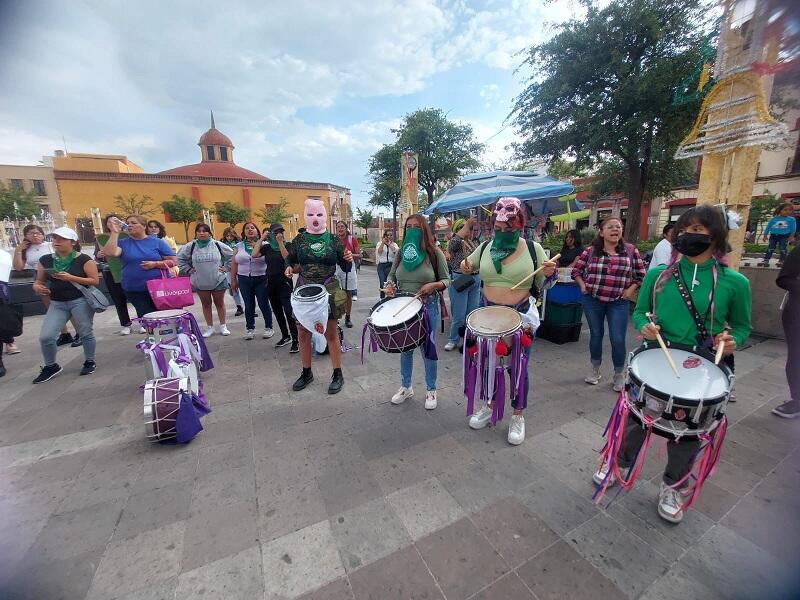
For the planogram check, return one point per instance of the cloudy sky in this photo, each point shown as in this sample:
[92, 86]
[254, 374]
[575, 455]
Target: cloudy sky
[305, 89]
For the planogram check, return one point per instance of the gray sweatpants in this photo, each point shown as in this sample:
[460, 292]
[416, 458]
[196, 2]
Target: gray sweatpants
[680, 455]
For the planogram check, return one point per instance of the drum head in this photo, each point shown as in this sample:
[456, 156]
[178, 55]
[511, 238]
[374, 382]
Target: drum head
[165, 314]
[310, 291]
[494, 321]
[699, 378]
[383, 314]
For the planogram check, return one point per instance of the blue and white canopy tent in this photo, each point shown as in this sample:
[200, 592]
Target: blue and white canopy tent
[539, 192]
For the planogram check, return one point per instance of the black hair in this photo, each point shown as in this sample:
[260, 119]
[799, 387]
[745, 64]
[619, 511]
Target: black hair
[576, 237]
[162, 231]
[781, 206]
[667, 228]
[713, 219]
[245, 224]
[203, 226]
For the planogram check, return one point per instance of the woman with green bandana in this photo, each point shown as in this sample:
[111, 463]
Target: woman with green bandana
[249, 279]
[230, 238]
[274, 248]
[207, 261]
[56, 277]
[502, 263]
[419, 268]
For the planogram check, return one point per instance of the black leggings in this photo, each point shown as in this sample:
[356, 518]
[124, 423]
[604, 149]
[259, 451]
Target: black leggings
[119, 297]
[279, 291]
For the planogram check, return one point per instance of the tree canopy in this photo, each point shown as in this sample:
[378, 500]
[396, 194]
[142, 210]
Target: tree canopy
[132, 204]
[183, 210]
[601, 92]
[230, 213]
[274, 213]
[26, 206]
[364, 218]
[384, 178]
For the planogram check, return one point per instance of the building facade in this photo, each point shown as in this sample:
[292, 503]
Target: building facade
[38, 179]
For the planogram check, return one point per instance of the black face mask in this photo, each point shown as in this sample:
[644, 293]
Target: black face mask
[692, 244]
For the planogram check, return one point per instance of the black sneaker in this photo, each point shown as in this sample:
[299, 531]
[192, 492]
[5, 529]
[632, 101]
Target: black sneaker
[2, 370]
[305, 378]
[76, 342]
[47, 373]
[63, 339]
[283, 341]
[295, 348]
[88, 367]
[347, 321]
[337, 381]
[239, 311]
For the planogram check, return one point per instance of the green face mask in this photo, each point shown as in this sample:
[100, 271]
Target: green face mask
[504, 244]
[411, 253]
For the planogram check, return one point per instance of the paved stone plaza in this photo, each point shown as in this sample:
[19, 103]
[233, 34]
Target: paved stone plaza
[288, 495]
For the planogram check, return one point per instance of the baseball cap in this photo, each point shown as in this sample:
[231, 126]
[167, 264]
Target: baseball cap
[66, 233]
[275, 227]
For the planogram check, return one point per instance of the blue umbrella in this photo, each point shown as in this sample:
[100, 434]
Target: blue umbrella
[480, 189]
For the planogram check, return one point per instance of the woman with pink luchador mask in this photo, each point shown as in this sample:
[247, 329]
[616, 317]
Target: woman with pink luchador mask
[314, 254]
[503, 262]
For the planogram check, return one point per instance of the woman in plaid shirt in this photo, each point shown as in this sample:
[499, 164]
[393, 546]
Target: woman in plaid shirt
[609, 272]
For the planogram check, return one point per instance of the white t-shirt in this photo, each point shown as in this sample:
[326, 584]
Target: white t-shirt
[661, 253]
[387, 253]
[5, 266]
[35, 252]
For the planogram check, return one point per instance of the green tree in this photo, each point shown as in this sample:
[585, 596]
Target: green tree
[446, 150]
[384, 178]
[183, 210]
[16, 203]
[132, 204]
[560, 168]
[364, 219]
[230, 213]
[762, 209]
[274, 213]
[601, 90]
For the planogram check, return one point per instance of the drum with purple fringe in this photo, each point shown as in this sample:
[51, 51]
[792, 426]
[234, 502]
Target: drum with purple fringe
[494, 347]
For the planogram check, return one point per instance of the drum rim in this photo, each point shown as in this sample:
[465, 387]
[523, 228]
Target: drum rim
[680, 400]
[147, 317]
[314, 298]
[390, 328]
[493, 335]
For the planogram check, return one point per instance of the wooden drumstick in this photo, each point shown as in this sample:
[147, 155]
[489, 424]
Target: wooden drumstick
[720, 349]
[527, 277]
[407, 304]
[664, 347]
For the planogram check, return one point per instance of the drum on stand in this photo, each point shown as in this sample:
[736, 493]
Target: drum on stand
[162, 398]
[397, 323]
[164, 322]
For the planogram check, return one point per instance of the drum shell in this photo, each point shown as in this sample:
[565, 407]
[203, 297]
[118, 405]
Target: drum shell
[161, 403]
[400, 337]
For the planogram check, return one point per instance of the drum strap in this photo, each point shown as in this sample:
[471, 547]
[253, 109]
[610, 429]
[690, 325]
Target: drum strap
[703, 337]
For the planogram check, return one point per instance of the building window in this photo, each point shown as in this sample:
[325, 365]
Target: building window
[223, 153]
[38, 187]
[16, 184]
[210, 153]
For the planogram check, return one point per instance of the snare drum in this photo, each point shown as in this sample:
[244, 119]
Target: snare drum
[494, 322]
[397, 323]
[162, 399]
[166, 322]
[310, 306]
[683, 407]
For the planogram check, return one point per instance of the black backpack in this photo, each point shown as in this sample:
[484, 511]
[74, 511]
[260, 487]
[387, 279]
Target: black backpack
[534, 291]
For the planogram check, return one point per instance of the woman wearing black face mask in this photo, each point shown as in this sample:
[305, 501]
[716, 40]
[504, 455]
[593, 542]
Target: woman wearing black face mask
[721, 297]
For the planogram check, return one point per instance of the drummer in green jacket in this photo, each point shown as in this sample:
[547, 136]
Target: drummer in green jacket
[721, 297]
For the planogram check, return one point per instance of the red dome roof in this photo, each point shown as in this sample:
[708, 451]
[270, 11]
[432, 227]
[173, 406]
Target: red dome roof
[214, 137]
[214, 169]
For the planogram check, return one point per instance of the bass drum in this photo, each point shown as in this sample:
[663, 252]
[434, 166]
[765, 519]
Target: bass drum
[162, 398]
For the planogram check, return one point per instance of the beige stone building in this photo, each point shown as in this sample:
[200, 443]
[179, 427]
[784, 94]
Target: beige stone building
[36, 178]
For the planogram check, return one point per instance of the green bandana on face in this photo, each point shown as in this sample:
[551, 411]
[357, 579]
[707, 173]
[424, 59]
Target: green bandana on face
[411, 253]
[202, 243]
[318, 242]
[273, 242]
[504, 244]
[62, 264]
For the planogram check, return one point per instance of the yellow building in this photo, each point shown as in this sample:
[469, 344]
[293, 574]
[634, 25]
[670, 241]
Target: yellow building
[93, 181]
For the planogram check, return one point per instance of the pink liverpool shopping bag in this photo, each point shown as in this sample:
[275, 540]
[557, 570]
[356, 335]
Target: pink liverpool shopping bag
[170, 292]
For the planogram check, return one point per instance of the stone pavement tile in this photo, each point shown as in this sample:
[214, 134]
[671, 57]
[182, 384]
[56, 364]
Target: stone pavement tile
[425, 507]
[300, 562]
[167, 464]
[400, 433]
[235, 577]
[224, 487]
[136, 563]
[557, 505]
[748, 458]
[560, 572]
[733, 567]
[88, 490]
[787, 430]
[235, 454]
[399, 576]
[758, 439]
[236, 410]
[461, 559]
[216, 531]
[154, 508]
[282, 466]
[677, 584]
[339, 589]
[16, 537]
[422, 461]
[41, 427]
[163, 590]
[75, 532]
[513, 470]
[515, 532]
[346, 486]
[367, 533]
[225, 431]
[62, 579]
[508, 587]
[14, 421]
[584, 431]
[284, 509]
[270, 423]
[49, 470]
[33, 504]
[733, 478]
[714, 502]
[472, 486]
[577, 475]
[557, 448]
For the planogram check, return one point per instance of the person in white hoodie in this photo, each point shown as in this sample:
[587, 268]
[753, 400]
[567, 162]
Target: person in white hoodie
[207, 263]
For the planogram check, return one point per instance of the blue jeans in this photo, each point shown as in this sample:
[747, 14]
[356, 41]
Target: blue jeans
[58, 313]
[383, 273]
[782, 241]
[237, 297]
[461, 304]
[617, 314]
[254, 289]
[407, 358]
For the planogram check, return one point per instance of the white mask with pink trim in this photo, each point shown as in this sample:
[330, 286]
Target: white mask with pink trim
[506, 209]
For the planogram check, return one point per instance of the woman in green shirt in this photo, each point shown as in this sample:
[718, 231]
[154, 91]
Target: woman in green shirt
[419, 268]
[721, 297]
[112, 276]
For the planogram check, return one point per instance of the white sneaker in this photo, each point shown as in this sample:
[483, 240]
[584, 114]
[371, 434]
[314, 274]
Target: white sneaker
[125, 331]
[209, 331]
[618, 382]
[430, 400]
[594, 376]
[223, 329]
[403, 394]
[480, 419]
[600, 475]
[516, 430]
[250, 334]
[142, 329]
[268, 333]
[354, 298]
[670, 504]
[449, 346]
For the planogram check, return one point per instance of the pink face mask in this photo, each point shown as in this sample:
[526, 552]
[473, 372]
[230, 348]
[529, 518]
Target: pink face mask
[506, 209]
[316, 216]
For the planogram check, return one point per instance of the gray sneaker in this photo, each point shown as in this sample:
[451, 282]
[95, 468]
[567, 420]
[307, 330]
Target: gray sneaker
[619, 382]
[594, 377]
[788, 410]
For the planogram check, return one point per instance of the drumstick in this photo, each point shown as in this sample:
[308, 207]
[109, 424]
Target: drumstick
[407, 304]
[664, 347]
[523, 280]
[720, 349]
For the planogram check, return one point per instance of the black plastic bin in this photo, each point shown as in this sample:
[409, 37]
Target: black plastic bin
[559, 334]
